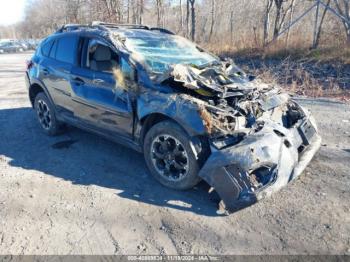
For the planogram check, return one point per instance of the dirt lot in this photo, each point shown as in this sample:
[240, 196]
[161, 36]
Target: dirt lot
[80, 194]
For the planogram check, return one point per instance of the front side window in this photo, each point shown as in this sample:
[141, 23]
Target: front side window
[127, 70]
[100, 57]
[66, 47]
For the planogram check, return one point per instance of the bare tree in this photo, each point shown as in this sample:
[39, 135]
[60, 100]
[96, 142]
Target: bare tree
[212, 19]
[193, 20]
[187, 18]
[268, 8]
[128, 12]
[159, 11]
[318, 31]
[181, 16]
[281, 14]
[231, 28]
[228, 20]
[72, 10]
[291, 13]
[343, 7]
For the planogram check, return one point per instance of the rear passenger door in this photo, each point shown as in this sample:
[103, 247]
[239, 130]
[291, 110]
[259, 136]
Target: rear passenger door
[98, 98]
[64, 55]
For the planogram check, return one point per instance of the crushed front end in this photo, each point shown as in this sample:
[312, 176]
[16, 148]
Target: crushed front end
[259, 138]
[261, 162]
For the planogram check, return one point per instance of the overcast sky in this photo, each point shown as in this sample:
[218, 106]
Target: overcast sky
[11, 11]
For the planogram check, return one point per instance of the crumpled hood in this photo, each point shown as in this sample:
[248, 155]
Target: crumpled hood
[223, 80]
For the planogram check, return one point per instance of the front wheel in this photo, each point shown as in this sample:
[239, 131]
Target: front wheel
[169, 156]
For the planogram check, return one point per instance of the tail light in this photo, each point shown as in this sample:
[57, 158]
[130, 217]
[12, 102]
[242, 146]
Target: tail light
[29, 64]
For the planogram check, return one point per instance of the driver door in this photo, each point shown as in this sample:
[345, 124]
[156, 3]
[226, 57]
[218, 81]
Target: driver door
[98, 99]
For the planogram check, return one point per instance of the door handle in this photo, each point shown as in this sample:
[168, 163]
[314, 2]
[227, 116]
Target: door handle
[65, 71]
[45, 71]
[78, 81]
[98, 81]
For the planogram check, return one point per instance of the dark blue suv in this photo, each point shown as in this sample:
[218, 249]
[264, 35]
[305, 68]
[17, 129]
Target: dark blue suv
[193, 115]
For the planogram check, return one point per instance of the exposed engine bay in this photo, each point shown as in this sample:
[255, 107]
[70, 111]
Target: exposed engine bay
[231, 101]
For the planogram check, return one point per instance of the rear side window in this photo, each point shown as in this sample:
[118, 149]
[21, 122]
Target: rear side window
[66, 46]
[53, 50]
[45, 48]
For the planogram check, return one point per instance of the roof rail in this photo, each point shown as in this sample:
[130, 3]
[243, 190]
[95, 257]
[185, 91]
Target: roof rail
[73, 27]
[113, 25]
[162, 30]
[107, 26]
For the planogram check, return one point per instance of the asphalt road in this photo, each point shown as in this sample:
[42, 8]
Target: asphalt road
[80, 194]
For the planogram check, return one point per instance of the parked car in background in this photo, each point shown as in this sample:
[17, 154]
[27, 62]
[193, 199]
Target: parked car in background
[11, 47]
[24, 44]
[14, 45]
[32, 43]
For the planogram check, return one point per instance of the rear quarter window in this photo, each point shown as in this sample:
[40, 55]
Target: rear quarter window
[66, 49]
[46, 47]
[53, 50]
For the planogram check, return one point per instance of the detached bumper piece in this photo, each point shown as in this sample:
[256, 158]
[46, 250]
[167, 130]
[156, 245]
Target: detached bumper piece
[260, 164]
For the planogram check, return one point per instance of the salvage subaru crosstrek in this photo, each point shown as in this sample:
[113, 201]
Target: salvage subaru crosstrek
[192, 115]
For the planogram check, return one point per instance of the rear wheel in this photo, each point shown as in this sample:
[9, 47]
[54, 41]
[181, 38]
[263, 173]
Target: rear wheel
[46, 115]
[169, 156]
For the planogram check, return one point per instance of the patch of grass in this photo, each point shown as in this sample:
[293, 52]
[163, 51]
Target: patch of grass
[340, 54]
[298, 69]
[336, 54]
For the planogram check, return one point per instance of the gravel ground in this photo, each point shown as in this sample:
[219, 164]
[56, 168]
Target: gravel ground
[80, 194]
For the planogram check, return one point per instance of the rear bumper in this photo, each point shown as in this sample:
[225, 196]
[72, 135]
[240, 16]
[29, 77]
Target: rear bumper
[26, 80]
[260, 164]
[27, 83]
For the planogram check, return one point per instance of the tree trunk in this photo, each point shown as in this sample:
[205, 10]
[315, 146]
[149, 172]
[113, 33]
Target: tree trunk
[187, 18]
[231, 27]
[344, 11]
[159, 12]
[267, 21]
[193, 20]
[276, 29]
[290, 22]
[141, 6]
[181, 17]
[128, 12]
[348, 37]
[319, 30]
[212, 19]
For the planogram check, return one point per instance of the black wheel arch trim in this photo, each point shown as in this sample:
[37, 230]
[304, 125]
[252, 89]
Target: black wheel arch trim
[147, 122]
[38, 82]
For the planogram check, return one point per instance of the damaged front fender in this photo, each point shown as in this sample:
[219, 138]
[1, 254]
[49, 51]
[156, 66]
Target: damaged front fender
[177, 107]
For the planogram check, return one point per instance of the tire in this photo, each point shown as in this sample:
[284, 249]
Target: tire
[46, 115]
[169, 156]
